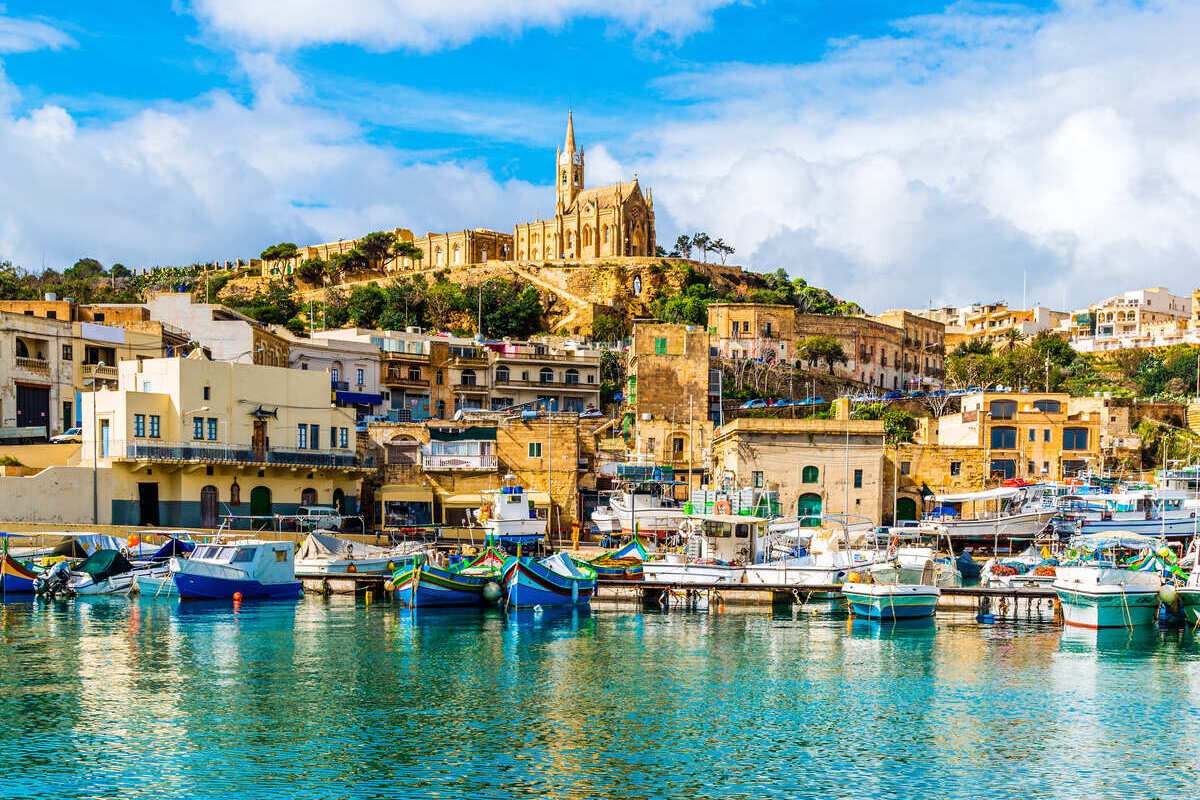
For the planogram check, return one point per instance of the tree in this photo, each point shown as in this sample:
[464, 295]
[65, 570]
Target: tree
[609, 328]
[973, 347]
[683, 244]
[279, 252]
[313, 270]
[898, 425]
[816, 349]
[720, 248]
[1012, 338]
[84, 268]
[690, 307]
[701, 242]
[407, 249]
[376, 246]
[1056, 348]
[120, 271]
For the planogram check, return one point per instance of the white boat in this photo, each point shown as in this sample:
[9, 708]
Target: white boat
[1019, 571]
[323, 554]
[1096, 592]
[508, 517]
[1156, 512]
[1189, 593]
[716, 549]
[993, 515]
[641, 508]
[810, 556]
[889, 591]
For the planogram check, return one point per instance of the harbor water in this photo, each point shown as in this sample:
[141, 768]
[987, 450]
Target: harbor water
[115, 697]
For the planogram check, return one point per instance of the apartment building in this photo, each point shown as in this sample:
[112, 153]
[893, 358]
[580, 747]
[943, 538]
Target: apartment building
[228, 335]
[894, 351]
[552, 377]
[1152, 317]
[761, 331]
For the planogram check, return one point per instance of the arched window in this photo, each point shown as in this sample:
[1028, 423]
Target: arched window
[545, 375]
[571, 376]
[468, 377]
[810, 474]
[308, 497]
[403, 450]
[457, 255]
[586, 238]
[1048, 406]
[439, 257]
[501, 374]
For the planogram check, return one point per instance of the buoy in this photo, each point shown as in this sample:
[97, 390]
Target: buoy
[134, 540]
[351, 568]
[1168, 595]
[854, 578]
[237, 597]
[491, 592]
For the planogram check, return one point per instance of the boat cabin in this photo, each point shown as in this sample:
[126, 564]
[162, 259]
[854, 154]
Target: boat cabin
[726, 537]
[266, 562]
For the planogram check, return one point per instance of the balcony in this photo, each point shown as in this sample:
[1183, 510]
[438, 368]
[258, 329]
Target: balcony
[449, 462]
[401, 378]
[217, 452]
[470, 388]
[405, 358]
[38, 365]
[577, 386]
[339, 386]
[98, 373]
[564, 355]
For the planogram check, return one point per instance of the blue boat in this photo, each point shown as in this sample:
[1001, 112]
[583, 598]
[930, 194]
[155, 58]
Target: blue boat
[422, 584]
[250, 569]
[15, 577]
[553, 581]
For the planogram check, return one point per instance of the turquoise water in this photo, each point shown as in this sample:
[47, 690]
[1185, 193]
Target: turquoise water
[107, 697]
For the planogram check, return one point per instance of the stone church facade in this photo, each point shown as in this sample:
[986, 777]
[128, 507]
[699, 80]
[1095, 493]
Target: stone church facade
[613, 220]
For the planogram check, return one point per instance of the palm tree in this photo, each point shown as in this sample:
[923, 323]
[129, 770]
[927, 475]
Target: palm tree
[1012, 338]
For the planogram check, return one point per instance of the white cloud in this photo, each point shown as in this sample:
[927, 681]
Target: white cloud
[945, 163]
[221, 179]
[424, 25]
[25, 35]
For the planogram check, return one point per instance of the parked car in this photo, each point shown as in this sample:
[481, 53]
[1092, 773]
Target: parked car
[939, 393]
[812, 401]
[591, 413]
[787, 401]
[755, 403]
[69, 436]
[312, 517]
[894, 396]
[917, 394]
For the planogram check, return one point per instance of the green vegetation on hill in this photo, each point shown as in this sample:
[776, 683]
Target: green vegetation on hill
[691, 305]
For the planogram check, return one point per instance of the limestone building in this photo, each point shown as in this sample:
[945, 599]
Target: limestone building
[615, 220]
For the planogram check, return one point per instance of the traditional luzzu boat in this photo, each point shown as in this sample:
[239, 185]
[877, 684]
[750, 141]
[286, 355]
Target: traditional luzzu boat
[422, 583]
[1100, 590]
[246, 569]
[882, 596]
[553, 581]
[623, 564]
[15, 577]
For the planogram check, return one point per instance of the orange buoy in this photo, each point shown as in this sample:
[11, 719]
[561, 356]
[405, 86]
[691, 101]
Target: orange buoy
[351, 568]
[134, 540]
[237, 597]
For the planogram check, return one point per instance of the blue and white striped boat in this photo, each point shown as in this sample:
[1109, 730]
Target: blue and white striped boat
[553, 581]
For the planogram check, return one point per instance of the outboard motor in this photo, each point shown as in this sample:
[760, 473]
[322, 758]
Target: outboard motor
[54, 582]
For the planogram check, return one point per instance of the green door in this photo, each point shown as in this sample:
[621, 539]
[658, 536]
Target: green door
[809, 505]
[906, 508]
[260, 501]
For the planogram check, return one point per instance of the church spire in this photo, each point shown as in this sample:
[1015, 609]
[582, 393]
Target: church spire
[569, 147]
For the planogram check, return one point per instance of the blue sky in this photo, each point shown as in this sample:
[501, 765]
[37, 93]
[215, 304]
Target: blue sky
[899, 152]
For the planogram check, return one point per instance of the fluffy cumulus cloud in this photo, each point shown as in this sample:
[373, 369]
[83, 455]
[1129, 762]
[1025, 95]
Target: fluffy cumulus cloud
[220, 178]
[947, 161]
[26, 35]
[424, 25]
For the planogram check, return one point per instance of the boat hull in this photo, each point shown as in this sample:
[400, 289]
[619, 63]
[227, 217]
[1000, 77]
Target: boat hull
[425, 586]
[208, 587]
[683, 573]
[1089, 609]
[341, 567]
[155, 586]
[530, 583]
[1172, 526]
[1189, 603]
[15, 578]
[891, 601]
[987, 531]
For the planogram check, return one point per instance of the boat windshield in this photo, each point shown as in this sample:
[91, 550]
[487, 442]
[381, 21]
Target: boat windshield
[221, 553]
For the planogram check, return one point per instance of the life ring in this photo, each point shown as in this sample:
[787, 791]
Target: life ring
[893, 545]
[722, 507]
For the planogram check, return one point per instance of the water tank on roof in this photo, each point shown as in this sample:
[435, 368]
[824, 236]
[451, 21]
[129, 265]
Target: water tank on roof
[412, 329]
[50, 297]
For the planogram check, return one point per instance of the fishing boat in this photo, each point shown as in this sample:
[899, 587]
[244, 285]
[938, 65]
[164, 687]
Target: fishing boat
[247, 568]
[104, 572]
[641, 507]
[825, 556]
[623, 564]
[716, 549]
[322, 554]
[422, 583]
[993, 516]
[553, 581]
[1098, 589]
[15, 577]
[1153, 512]
[509, 518]
[1035, 566]
[1189, 593]
[889, 593]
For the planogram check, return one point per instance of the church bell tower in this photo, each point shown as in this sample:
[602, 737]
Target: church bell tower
[569, 181]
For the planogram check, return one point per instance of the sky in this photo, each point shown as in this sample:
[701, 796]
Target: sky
[902, 153]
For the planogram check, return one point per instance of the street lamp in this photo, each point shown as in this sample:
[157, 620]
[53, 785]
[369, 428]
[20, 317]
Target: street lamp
[95, 448]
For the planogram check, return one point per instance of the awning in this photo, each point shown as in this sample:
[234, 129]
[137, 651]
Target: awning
[475, 433]
[978, 497]
[409, 494]
[358, 398]
[475, 499]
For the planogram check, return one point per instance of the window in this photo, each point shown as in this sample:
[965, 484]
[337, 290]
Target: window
[571, 376]
[1032, 468]
[155, 426]
[207, 392]
[660, 346]
[545, 375]
[1003, 409]
[1048, 406]
[98, 317]
[67, 418]
[955, 468]
[677, 445]
[197, 427]
[1004, 438]
[1046, 435]
[858, 475]
[810, 474]
[314, 437]
[591, 378]
[359, 376]
[535, 449]
[335, 374]
[51, 315]
[139, 424]
[1032, 434]
[302, 436]
[212, 429]
[414, 373]
[1045, 467]
[68, 353]
[758, 479]
[468, 377]
[502, 374]
[1004, 468]
[905, 467]
[244, 555]
[745, 326]
[344, 438]
[1075, 439]
[440, 377]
